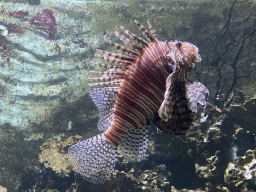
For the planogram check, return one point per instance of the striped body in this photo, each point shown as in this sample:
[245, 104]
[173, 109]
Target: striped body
[141, 92]
[151, 77]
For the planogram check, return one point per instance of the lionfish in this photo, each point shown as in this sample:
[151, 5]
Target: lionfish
[149, 77]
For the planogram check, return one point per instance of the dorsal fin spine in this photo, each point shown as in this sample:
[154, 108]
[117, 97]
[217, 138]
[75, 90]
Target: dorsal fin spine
[144, 32]
[116, 55]
[133, 36]
[124, 49]
[113, 59]
[128, 42]
[152, 31]
[111, 66]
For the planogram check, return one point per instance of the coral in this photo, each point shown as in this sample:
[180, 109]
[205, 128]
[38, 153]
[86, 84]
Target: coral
[7, 28]
[242, 172]
[155, 179]
[13, 28]
[220, 141]
[54, 155]
[173, 189]
[6, 50]
[2, 189]
[209, 170]
[45, 22]
[18, 14]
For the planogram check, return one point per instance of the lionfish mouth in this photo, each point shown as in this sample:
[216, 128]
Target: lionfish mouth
[197, 59]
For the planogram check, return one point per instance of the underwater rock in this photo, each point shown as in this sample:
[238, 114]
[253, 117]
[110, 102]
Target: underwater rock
[2, 189]
[18, 14]
[173, 189]
[217, 145]
[34, 2]
[35, 178]
[54, 155]
[241, 174]
[3, 31]
[155, 179]
[39, 179]
[40, 77]
[244, 115]
[214, 133]
[209, 170]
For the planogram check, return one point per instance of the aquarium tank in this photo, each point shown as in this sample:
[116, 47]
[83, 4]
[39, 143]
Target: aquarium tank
[128, 96]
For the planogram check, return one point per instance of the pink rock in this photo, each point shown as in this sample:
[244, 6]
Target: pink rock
[45, 22]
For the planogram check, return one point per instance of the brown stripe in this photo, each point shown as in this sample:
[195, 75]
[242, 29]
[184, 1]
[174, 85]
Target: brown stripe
[141, 91]
[131, 106]
[140, 100]
[142, 76]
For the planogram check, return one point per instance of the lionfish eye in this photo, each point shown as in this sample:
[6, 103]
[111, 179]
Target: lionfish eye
[178, 45]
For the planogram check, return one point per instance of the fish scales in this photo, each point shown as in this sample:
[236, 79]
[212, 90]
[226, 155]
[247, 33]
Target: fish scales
[151, 78]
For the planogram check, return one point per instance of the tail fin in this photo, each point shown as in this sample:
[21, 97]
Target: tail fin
[94, 158]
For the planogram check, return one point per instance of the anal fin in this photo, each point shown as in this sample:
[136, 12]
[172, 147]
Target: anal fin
[134, 144]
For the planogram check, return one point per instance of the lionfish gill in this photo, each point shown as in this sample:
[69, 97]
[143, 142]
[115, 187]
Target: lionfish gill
[149, 78]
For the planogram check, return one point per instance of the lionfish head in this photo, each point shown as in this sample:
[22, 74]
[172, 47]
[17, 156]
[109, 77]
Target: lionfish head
[183, 54]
